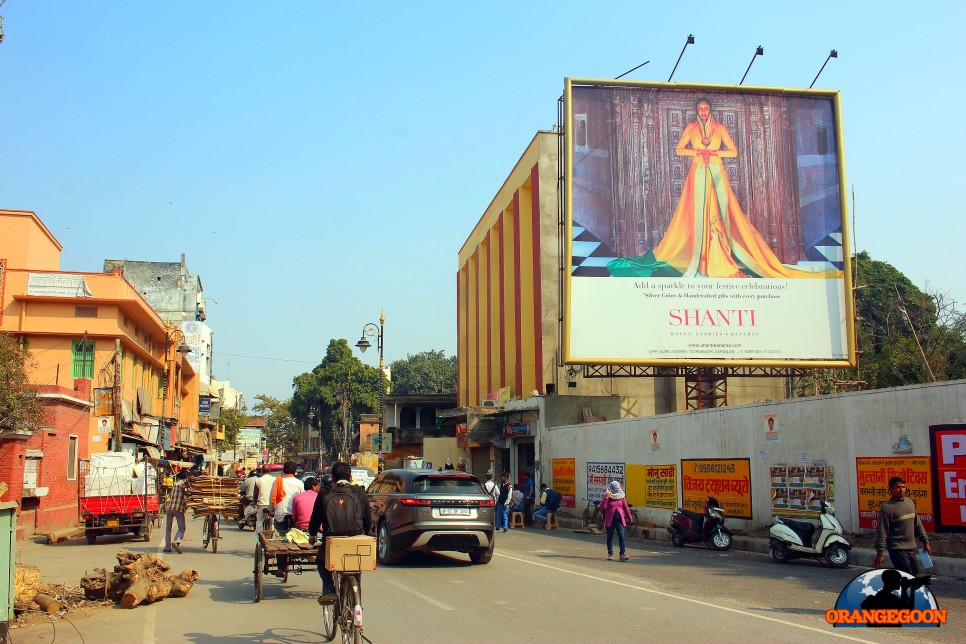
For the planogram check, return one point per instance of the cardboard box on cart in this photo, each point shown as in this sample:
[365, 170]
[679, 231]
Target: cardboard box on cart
[350, 554]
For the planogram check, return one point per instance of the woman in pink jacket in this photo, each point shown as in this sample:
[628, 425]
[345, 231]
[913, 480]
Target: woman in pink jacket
[616, 515]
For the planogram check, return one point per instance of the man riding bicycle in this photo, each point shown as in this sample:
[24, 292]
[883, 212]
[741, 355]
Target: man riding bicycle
[341, 511]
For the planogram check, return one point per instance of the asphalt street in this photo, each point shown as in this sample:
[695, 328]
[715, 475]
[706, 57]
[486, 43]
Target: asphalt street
[540, 587]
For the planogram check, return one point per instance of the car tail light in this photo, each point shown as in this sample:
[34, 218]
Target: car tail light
[486, 504]
[414, 502]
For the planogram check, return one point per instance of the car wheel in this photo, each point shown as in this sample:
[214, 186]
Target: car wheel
[91, 537]
[483, 556]
[679, 542]
[780, 554]
[384, 552]
[836, 556]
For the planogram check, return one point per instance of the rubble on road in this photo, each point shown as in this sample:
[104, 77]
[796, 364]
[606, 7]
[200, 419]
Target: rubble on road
[35, 600]
[139, 578]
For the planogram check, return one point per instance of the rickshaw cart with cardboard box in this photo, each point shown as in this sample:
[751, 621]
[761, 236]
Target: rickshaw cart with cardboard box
[278, 557]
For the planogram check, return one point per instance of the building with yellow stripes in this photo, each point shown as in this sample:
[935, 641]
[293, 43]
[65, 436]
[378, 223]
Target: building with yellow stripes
[509, 316]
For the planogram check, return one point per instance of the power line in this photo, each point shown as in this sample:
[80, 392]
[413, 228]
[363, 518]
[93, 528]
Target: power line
[238, 355]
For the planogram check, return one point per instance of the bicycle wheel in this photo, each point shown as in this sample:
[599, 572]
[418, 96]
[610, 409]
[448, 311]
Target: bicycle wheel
[206, 532]
[214, 534]
[598, 519]
[328, 621]
[348, 599]
[585, 518]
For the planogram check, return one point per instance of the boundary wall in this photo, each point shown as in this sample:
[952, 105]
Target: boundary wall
[830, 430]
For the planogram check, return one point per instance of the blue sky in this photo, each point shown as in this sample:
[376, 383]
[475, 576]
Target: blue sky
[318, 162]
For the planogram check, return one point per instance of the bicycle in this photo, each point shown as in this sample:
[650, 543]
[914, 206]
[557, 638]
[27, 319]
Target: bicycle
[593, 516]
[346, 612]
[210, 533]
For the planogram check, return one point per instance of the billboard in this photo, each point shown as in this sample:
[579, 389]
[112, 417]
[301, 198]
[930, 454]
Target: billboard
[714, 217]
[948, 446]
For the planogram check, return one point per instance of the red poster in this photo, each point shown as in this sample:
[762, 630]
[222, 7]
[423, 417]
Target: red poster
[948, 443]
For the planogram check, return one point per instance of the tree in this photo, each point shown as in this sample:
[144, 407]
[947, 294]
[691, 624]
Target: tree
[20, 409]
[283, 434]
[318, 393]
[905, 335]
[429, 372]
[232, 420]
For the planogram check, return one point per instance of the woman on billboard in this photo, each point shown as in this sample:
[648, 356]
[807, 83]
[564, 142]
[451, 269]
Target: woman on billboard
[709, 234]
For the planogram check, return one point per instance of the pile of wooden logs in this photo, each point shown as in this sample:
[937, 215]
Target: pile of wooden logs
[139, 578]
[213, 495]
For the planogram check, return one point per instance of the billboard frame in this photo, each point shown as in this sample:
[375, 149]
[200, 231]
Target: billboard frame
[567, 259]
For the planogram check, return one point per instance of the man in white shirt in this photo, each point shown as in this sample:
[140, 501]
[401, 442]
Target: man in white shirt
[283, 491]
[263, 495]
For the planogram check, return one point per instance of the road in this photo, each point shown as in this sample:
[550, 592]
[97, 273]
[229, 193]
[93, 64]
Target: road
[540, 587]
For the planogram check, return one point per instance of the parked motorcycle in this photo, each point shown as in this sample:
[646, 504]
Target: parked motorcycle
[790, 539]
[708, 527]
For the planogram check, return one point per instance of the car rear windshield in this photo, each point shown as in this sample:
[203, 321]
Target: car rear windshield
[446, 485]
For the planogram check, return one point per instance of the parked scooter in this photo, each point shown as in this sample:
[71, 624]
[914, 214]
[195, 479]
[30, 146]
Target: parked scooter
[794, 539]
[689, 527]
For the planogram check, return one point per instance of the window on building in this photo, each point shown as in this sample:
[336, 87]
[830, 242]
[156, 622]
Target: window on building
[82, 363]
[72, 458]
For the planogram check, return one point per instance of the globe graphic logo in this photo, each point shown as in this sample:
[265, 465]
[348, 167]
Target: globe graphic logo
[871, 585]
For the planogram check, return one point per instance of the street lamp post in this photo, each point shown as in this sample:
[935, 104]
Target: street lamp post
[370, 329]
[171, 335]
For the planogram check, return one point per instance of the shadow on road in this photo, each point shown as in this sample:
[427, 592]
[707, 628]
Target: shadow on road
[281, 635]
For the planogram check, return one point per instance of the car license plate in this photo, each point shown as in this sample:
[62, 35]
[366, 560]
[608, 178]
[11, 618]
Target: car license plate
[113, 523]
[454, 512]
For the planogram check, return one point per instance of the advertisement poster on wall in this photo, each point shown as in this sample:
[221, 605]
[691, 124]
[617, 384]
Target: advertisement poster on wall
[872, 476]
[726, 479]
[948, 445]
[662, 486]
[797, 492]
[652, 171]
[104, 401]
[600, 474]
[771, 429]
[563, 479]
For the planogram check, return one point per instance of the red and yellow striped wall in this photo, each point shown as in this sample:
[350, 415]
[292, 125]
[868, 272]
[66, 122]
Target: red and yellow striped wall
[502, 265]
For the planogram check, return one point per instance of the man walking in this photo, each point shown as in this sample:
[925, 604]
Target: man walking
[899, 526]
[529, 498]
[177, 503]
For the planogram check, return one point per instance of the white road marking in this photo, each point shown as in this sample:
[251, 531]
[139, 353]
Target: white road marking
[421, 596]
[829, 633]
[150, 620]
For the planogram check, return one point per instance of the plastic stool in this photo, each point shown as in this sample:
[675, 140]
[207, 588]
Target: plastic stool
[516, 520]
[552, 521]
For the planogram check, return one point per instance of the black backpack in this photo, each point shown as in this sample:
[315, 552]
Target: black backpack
[553, 500]
[343, 512]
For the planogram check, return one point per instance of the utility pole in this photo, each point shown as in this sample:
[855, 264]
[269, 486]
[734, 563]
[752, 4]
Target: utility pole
[117, 395]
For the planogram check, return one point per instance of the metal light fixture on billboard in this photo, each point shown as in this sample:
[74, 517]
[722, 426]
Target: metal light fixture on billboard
[631, 70]
[832, 54]
[690, 41]
[759, 51]
[572, 378]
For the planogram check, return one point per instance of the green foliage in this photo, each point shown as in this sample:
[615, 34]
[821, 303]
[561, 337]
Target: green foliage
[283, 434]
[232, 420]
[339, 373]
[429, 372]
[906, 336]
[20, 409]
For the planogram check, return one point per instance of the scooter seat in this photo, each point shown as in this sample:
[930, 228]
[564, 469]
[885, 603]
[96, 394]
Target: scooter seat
[694, 516]
[803, 529]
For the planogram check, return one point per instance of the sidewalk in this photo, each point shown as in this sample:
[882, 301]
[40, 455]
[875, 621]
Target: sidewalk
[862, 557]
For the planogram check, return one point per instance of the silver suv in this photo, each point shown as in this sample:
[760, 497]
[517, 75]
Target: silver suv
[431, 511]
